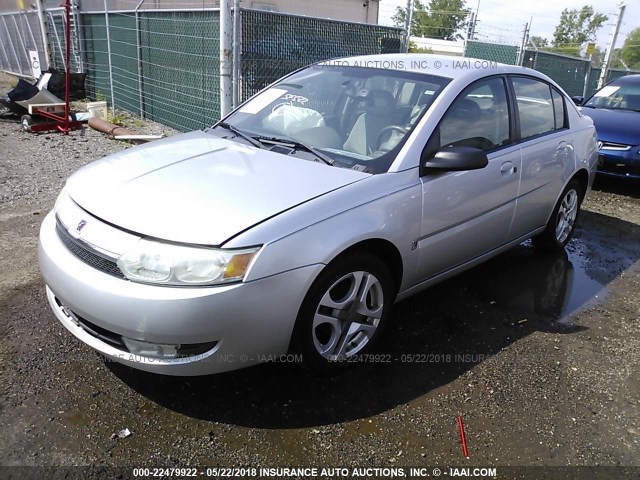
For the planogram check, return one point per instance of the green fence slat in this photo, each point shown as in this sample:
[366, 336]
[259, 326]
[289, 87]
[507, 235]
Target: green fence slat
[492, 51]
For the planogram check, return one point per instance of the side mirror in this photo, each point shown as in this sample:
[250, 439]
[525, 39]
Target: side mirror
[456, 159]
[578, 100]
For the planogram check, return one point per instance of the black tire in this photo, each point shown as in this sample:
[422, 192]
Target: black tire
[318, 341]
[26, 122]
[555, 238]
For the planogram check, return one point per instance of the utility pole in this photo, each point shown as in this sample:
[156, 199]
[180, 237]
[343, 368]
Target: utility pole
[612, 44]
[226, 48]
[523, 45]
[408, 18]
[471, 29]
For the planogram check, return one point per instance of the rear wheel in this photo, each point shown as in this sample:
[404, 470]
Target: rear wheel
[563, 220]
[344, 312]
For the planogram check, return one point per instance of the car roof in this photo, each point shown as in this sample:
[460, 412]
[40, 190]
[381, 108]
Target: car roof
[451, 67]
[626, 80]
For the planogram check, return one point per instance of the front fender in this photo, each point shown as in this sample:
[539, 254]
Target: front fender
[394, 217]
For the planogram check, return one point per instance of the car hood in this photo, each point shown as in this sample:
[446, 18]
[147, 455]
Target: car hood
[618, 126]
[198, 188]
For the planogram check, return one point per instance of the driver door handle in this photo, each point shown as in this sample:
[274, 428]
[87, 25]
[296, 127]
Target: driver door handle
[508, 168]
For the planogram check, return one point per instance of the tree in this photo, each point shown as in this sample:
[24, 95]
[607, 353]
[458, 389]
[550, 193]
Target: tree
[597, 57]
[630, 51]
[414, 48]
[577, 27]
[439, 19]
[537, 42]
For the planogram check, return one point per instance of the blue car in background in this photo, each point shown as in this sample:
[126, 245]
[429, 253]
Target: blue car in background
[615, 110]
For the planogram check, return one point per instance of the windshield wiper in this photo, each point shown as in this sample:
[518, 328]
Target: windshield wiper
[239, 133]
[297, 146]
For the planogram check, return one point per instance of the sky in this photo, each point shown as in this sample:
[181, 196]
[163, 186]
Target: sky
[500, 20]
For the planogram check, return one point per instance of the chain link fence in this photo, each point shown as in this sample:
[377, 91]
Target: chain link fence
[165, 64]
[57, 40]
[569, 72]
[575, 75]
[492, 51]
[162, 65]
[274, 44]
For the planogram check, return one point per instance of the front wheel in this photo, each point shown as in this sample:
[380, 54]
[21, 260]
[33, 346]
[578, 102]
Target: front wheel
[26, 122]
[563, 220]
[344, 312]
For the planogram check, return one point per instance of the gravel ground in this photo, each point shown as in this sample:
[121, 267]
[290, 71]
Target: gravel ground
[538, 353]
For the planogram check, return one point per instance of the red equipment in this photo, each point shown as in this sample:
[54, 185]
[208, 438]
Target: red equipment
[59, 120]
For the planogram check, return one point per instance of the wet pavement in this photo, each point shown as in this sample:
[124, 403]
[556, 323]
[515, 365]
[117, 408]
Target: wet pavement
[538, 353]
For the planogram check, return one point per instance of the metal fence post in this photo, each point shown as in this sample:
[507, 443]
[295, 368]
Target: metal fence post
[106, 26]
[226, 34]
[79, 43]
[587, 75]
[139, 58]
[523, 45]
[237, 46]
[407, 25]
[612, 44]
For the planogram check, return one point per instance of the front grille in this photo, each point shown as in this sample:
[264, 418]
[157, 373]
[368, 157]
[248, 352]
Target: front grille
[184, 350]
[87, 256]
[103, 334]
[614, 166]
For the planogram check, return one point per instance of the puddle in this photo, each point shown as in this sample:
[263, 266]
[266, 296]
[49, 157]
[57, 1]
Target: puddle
[553, 285]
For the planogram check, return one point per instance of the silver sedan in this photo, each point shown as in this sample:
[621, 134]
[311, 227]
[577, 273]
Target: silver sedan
[295, 223]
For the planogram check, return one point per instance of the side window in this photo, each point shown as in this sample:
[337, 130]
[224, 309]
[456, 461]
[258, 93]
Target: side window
[558, 109]
[535, 107]
[478, 118]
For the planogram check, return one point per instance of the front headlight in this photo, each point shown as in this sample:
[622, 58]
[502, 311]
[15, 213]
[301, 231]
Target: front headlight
[169, 264]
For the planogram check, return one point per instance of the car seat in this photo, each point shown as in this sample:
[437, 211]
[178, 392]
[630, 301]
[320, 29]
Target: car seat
[379, 112]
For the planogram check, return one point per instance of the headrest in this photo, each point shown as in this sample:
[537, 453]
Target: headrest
[465, 109]
[380, 103]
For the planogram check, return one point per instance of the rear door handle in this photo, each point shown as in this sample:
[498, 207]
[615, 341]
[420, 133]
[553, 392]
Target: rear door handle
[562, 146]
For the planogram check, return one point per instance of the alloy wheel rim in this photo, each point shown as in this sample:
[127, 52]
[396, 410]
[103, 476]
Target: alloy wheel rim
[567, 215]
[348, 315]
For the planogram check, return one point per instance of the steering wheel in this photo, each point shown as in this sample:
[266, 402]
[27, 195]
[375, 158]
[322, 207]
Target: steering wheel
[390, 128]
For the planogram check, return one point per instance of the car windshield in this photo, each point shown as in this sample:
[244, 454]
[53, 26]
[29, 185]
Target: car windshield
[617, 97]
[351, 117]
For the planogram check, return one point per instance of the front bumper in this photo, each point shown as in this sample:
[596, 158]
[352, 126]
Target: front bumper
[620, 163]
[248, 322]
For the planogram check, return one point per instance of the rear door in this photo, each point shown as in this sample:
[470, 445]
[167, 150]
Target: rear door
[466, 214]
[547, 151]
